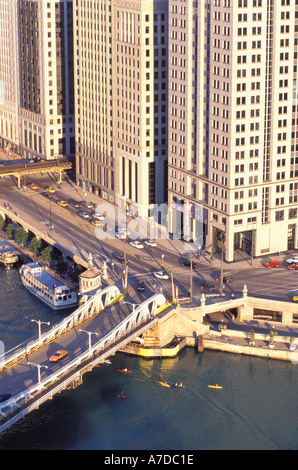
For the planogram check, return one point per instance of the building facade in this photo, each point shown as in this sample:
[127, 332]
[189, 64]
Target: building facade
[41, 61]
[121, 100]
[232, 121]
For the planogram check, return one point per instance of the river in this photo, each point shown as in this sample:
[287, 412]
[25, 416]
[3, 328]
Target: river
[256, 408]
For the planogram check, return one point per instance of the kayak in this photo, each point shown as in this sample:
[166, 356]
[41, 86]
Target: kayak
[215, 386]
[125, 370]
[164, 384]
[119, 395]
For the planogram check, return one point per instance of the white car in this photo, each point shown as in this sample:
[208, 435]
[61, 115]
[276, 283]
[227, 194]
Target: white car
[83, 214]
[150, 243]
[98, 216]
[161, 275]
[292, 260]
[136, 244]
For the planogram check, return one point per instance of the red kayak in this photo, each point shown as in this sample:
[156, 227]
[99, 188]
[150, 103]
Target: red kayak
[125, 370]
[119, 395]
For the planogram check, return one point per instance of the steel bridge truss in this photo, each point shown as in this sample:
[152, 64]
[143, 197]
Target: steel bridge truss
[138, 321]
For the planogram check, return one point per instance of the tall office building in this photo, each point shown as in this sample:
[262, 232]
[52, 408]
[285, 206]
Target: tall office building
[121, 100]
[9, 131]
[233, 119]
[37, 51]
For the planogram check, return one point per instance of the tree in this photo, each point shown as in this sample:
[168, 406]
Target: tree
[21, 236]
[35, 245]
[46, 254]
[61, 265]
[2, 222]
[9, 230]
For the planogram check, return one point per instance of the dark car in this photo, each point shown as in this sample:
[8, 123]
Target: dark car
[87, 204]
[73, 203]
[207, 286]
[141, 287]
[187, 262]
[226, 279]
[4, 396]
[118, 257]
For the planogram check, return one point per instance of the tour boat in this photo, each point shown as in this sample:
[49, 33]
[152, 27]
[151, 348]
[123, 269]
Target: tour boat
[8, 255]
[48, 286]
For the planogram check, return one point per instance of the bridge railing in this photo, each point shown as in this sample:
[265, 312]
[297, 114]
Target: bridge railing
[94, 305]
[147, 310]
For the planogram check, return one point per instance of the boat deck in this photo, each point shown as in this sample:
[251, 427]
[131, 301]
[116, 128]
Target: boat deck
[47, 278]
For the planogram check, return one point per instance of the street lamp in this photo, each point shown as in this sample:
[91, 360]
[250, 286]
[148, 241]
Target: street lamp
[133, 305]
[39, 326]
[51, 226]
[39, 366]
[89, 333]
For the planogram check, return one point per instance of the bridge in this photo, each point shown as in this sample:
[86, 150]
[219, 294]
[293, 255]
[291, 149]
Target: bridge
[20, 169]
[26, 372]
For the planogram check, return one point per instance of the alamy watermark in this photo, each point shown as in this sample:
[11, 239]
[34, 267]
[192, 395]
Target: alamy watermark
[180, 222]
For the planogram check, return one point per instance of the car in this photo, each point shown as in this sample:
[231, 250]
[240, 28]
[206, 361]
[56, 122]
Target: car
[293, 267]
[295, 298]
[118, 256]
[50, 190]
[4, 397]
[292, 260]
[161, 275]
[272, 264]
[45, 194]
[141, 287]
[62, 203]
[96, 223]
[32, 186]
[87, 204]
[207, 286]
[83, 214]
[136, 244]
[226, 279]
[74, 203]
[150, 243]
[187, 262]
[58, 355]
[97, 215]
[122, 234]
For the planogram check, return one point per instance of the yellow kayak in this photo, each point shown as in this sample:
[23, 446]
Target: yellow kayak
[165, 384]
[215, 386]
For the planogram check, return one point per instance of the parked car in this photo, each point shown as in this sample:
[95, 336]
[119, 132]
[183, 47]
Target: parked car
[141, 287]
[161, 275]
[293, 266]
[207, 286]
[87, 204]
[272, 264]
[74, 203]
[97, 215]
[150, 243]
[136, 244]
[83, 214]
[292, 260]
[58, 355]
[4, 397]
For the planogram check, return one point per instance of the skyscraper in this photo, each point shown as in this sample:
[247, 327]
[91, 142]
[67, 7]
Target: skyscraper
[232, 121]
[121, 100]
[37, 48]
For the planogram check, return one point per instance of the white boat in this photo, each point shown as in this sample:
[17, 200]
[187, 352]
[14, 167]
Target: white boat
[48, 286]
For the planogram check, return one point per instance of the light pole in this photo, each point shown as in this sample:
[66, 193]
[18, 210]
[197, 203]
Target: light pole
[39, 366]
[51, 225]
[191, 279]
[89, 333]
[133, 305]
[39, 326]
[221, 244]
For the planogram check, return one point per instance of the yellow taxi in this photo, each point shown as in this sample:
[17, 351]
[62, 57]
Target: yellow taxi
[62, 203]
[49, 189]
[58, 355]
[95, 223]
[295, 298]
[32, 186]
